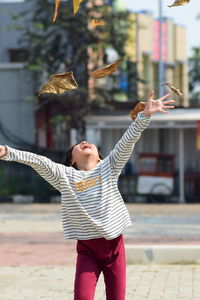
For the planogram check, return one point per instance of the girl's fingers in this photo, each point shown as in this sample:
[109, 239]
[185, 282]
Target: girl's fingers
[169, 102]
[164, 111]
[164, 97]
[151, 95]
[167, 106]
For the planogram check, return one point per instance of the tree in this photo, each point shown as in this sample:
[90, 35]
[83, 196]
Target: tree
[194, 64]
[67, 43]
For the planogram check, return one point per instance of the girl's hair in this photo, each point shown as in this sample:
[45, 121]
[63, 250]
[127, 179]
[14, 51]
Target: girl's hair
[68, 157]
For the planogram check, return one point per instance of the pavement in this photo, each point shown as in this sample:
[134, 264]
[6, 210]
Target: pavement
[37, 263]
[56, 283]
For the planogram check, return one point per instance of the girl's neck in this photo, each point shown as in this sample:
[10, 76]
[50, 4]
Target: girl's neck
[86, 165]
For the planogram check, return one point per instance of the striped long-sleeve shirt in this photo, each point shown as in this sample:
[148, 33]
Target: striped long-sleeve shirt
[91, 204]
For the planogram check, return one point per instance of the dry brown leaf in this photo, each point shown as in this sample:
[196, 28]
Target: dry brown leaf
[138, 108]
[57, 4]
[174, 89]
[76, 5]
[179, 3]
[97, 23]
[105, 71]
[59, 84]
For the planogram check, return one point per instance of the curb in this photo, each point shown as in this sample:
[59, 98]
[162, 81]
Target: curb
[163, 254]
[27, 199]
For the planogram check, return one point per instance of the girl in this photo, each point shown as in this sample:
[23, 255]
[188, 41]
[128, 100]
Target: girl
[92, 208]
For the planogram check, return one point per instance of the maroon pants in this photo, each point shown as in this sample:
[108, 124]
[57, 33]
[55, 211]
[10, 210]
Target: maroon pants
[96, 256]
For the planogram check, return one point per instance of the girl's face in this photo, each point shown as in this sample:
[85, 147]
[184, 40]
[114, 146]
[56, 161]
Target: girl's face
[84, 149]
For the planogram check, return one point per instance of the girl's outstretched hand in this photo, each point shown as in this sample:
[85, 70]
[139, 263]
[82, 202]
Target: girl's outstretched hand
[3, 151]
[153, 106]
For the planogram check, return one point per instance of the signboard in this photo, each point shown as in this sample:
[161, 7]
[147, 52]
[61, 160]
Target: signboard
[156, 41]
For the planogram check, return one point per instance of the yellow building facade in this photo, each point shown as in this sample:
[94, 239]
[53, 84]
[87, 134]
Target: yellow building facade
[143, 49]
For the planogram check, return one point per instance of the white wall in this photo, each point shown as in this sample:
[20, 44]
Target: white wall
[149, 143]
[16, 113]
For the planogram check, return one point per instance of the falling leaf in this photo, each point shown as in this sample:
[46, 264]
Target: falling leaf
[97, 23]
[179, 3]
[76, 5]
[57, 4]
[174, 89]
[59, 83]
[103, 72]
[138, 108]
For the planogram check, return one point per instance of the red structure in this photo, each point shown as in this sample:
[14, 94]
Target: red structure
[156, 41]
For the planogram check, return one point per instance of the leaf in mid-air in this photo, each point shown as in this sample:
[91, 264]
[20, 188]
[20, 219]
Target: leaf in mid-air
[105, 71]
[179, 3]
[138, 108]
[76, 5]
[59, 84]
[97, 23]
[57, 3]
[174, 89]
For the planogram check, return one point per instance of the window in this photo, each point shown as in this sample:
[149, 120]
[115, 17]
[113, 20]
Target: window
[18, 55]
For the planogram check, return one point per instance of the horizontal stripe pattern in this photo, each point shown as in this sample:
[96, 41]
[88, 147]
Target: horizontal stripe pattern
[91, 204]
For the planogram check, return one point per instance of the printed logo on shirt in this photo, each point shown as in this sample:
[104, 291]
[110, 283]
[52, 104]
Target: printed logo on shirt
[87, 183]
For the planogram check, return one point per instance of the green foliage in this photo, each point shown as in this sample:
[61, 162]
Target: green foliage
[66, 43]
[54, 44]
[194, 63]
[118, 25]
[24, 184]
[67, 40]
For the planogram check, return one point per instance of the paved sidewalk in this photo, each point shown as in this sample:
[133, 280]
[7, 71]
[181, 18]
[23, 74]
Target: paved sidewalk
[152, 223]
[31, 234]
[144, 283]
[37, 263]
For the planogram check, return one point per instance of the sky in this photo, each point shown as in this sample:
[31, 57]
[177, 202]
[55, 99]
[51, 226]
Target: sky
[184, 15]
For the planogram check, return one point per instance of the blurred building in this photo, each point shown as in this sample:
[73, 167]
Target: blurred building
[174, 135]
[143, 51]
[17, 121]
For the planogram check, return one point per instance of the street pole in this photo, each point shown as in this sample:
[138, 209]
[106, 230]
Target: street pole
[160, 63]
[181, 166]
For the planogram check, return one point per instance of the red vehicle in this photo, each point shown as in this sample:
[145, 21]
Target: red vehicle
[156, 174]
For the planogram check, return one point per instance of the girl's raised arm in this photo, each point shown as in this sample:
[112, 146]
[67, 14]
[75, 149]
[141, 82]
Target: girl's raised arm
[45, 167]
[123, 149]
